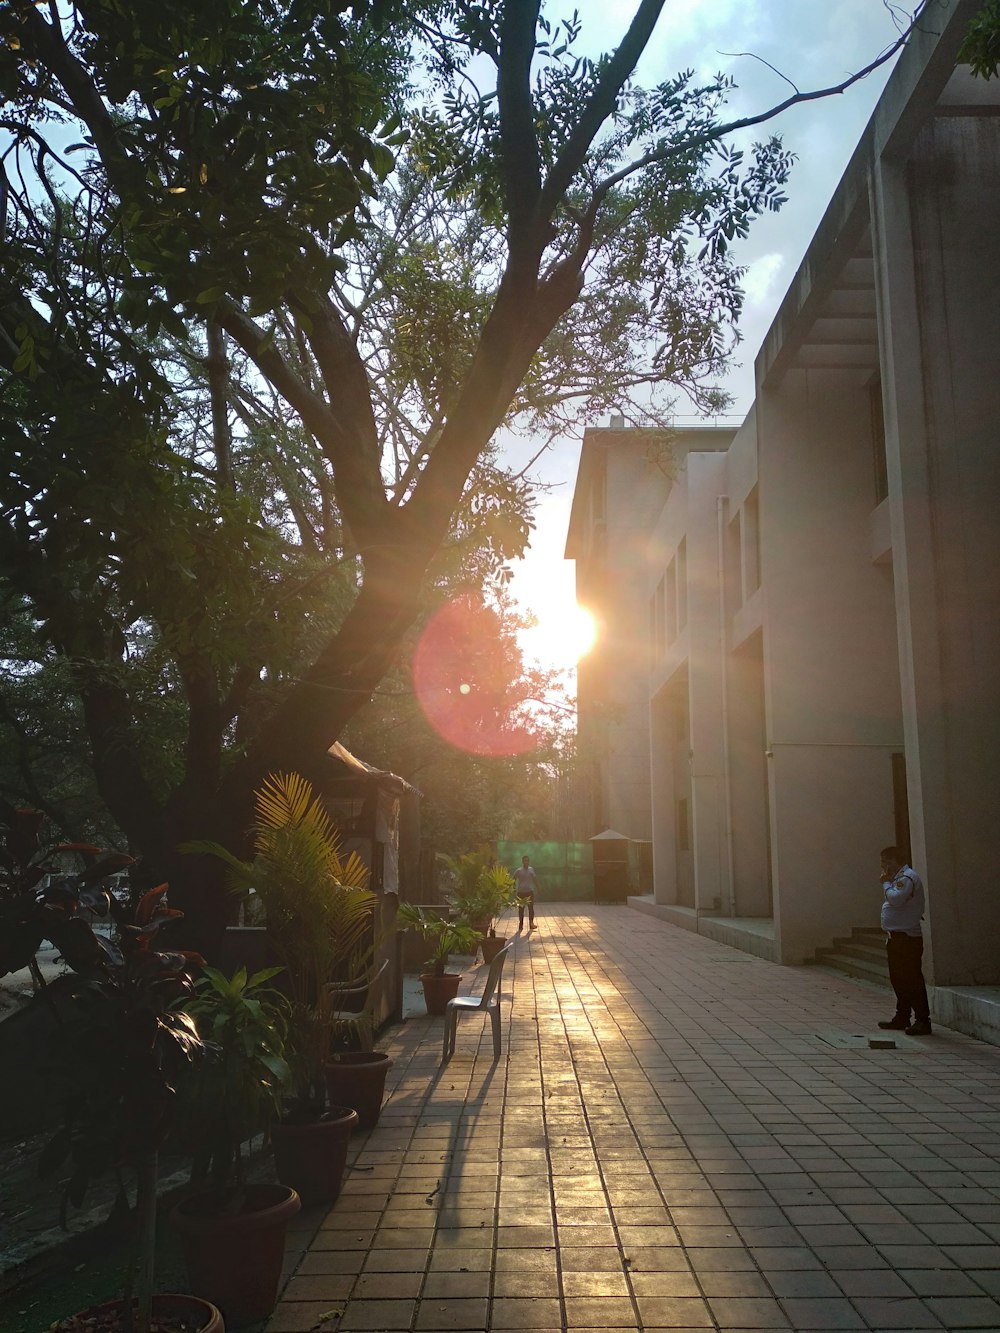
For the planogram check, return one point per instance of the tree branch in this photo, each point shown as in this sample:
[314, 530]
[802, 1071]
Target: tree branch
[519, 144]
[600, 106]
[359, 487]
[720, 131]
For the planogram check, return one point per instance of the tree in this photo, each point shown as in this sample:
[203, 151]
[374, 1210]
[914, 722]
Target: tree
[981, 48]
[261, 322]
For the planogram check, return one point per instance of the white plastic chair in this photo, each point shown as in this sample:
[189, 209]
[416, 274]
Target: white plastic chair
[359, 1023]
[488, 1002]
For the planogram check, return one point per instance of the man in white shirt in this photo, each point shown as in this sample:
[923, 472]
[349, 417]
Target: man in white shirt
[524, 882]
[902, 912]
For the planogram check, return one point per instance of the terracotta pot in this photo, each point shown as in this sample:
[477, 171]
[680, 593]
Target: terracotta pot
[311, 1157]
[438, 990]
[235, 1259]
[201, 1317]
[357, 1078]
[492, 945]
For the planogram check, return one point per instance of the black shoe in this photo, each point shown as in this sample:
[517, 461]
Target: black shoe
[896, 1024]
[920, 1028]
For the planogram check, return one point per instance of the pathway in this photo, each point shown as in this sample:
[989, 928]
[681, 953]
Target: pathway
[680, 1136]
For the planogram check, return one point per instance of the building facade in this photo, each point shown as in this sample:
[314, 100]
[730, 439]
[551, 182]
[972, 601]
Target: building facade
[820, 591]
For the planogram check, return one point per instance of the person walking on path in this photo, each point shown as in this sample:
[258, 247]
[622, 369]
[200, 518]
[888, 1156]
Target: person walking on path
[902, 912]
[524, 882]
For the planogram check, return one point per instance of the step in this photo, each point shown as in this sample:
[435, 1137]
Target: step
[852, 967]
[854, 948]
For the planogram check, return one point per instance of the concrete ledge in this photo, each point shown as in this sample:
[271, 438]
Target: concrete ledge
[750, 934]
[974, 1010]
[685, 917]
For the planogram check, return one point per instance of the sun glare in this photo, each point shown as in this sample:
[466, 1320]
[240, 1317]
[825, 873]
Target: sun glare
[562, 635]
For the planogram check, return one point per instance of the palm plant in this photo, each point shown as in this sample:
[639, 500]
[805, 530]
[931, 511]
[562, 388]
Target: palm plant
[445, 937]
[319, 912]
[482, 890]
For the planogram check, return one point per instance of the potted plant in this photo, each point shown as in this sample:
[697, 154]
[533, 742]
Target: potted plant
[445, 937]
[320, 920]
[233, 1232]
[120, 1054]
[466, 896]
[483, 892]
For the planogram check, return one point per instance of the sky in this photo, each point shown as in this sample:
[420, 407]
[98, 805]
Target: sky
[815, 43]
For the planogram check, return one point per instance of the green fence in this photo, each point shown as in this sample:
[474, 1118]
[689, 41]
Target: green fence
[564, 870]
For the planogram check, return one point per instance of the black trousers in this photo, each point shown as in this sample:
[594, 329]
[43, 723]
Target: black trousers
[528, 900]
[904, 953]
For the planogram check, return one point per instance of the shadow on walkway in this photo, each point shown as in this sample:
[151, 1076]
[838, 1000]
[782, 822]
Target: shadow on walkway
[678, 1136]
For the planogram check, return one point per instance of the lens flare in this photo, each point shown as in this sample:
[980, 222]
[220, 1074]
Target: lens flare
[463, 675]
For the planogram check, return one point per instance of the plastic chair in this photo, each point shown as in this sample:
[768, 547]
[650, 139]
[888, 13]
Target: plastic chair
[487, 1002]
[359, 1023]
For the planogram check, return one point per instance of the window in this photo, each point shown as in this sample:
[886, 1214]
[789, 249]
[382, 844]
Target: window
[751, 545]
[734, 566]
[877, 412]
[683, 826]
[670, 614]
[682, 584]
[656, 612]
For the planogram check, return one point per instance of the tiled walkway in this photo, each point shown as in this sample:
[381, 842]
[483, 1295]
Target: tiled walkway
[679, 1136]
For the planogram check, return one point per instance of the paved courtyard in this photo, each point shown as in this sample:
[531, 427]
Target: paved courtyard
[678, 1136]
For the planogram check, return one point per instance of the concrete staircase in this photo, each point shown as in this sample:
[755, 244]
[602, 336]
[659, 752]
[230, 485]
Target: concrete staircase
[862, 954]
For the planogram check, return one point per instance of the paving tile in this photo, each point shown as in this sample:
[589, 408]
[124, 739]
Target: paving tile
[395, 1261]
[518, 1313]
[302, 1317]
[593, 1258]
[745, 1284]
[609, 1283]
[526, 1261]
[890, 1313]
[329, 1239]
[746, 1312]
[599, 1312]
[663, 1284]
[804, 1283]
[965, 1311]
[382, 1315]
[330, 1287]
[820, 1313]
[452, 1314]
[332, 1261]
[388, 1286]
[725, 1260]
[673, 1312]
[519, 1282]
[785, 1258]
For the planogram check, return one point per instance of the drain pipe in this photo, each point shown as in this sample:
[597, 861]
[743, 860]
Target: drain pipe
[721, 504]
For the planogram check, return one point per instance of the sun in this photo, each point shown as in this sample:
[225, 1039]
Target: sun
[564, 633]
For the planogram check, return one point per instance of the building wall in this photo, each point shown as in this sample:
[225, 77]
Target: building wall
[830, 672]
[637, 474]
[939, 293]
[843, 601]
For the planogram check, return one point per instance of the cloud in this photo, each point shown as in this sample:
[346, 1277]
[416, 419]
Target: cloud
[759, 282]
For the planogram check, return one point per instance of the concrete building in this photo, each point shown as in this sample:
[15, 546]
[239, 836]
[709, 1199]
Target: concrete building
[818, 591]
